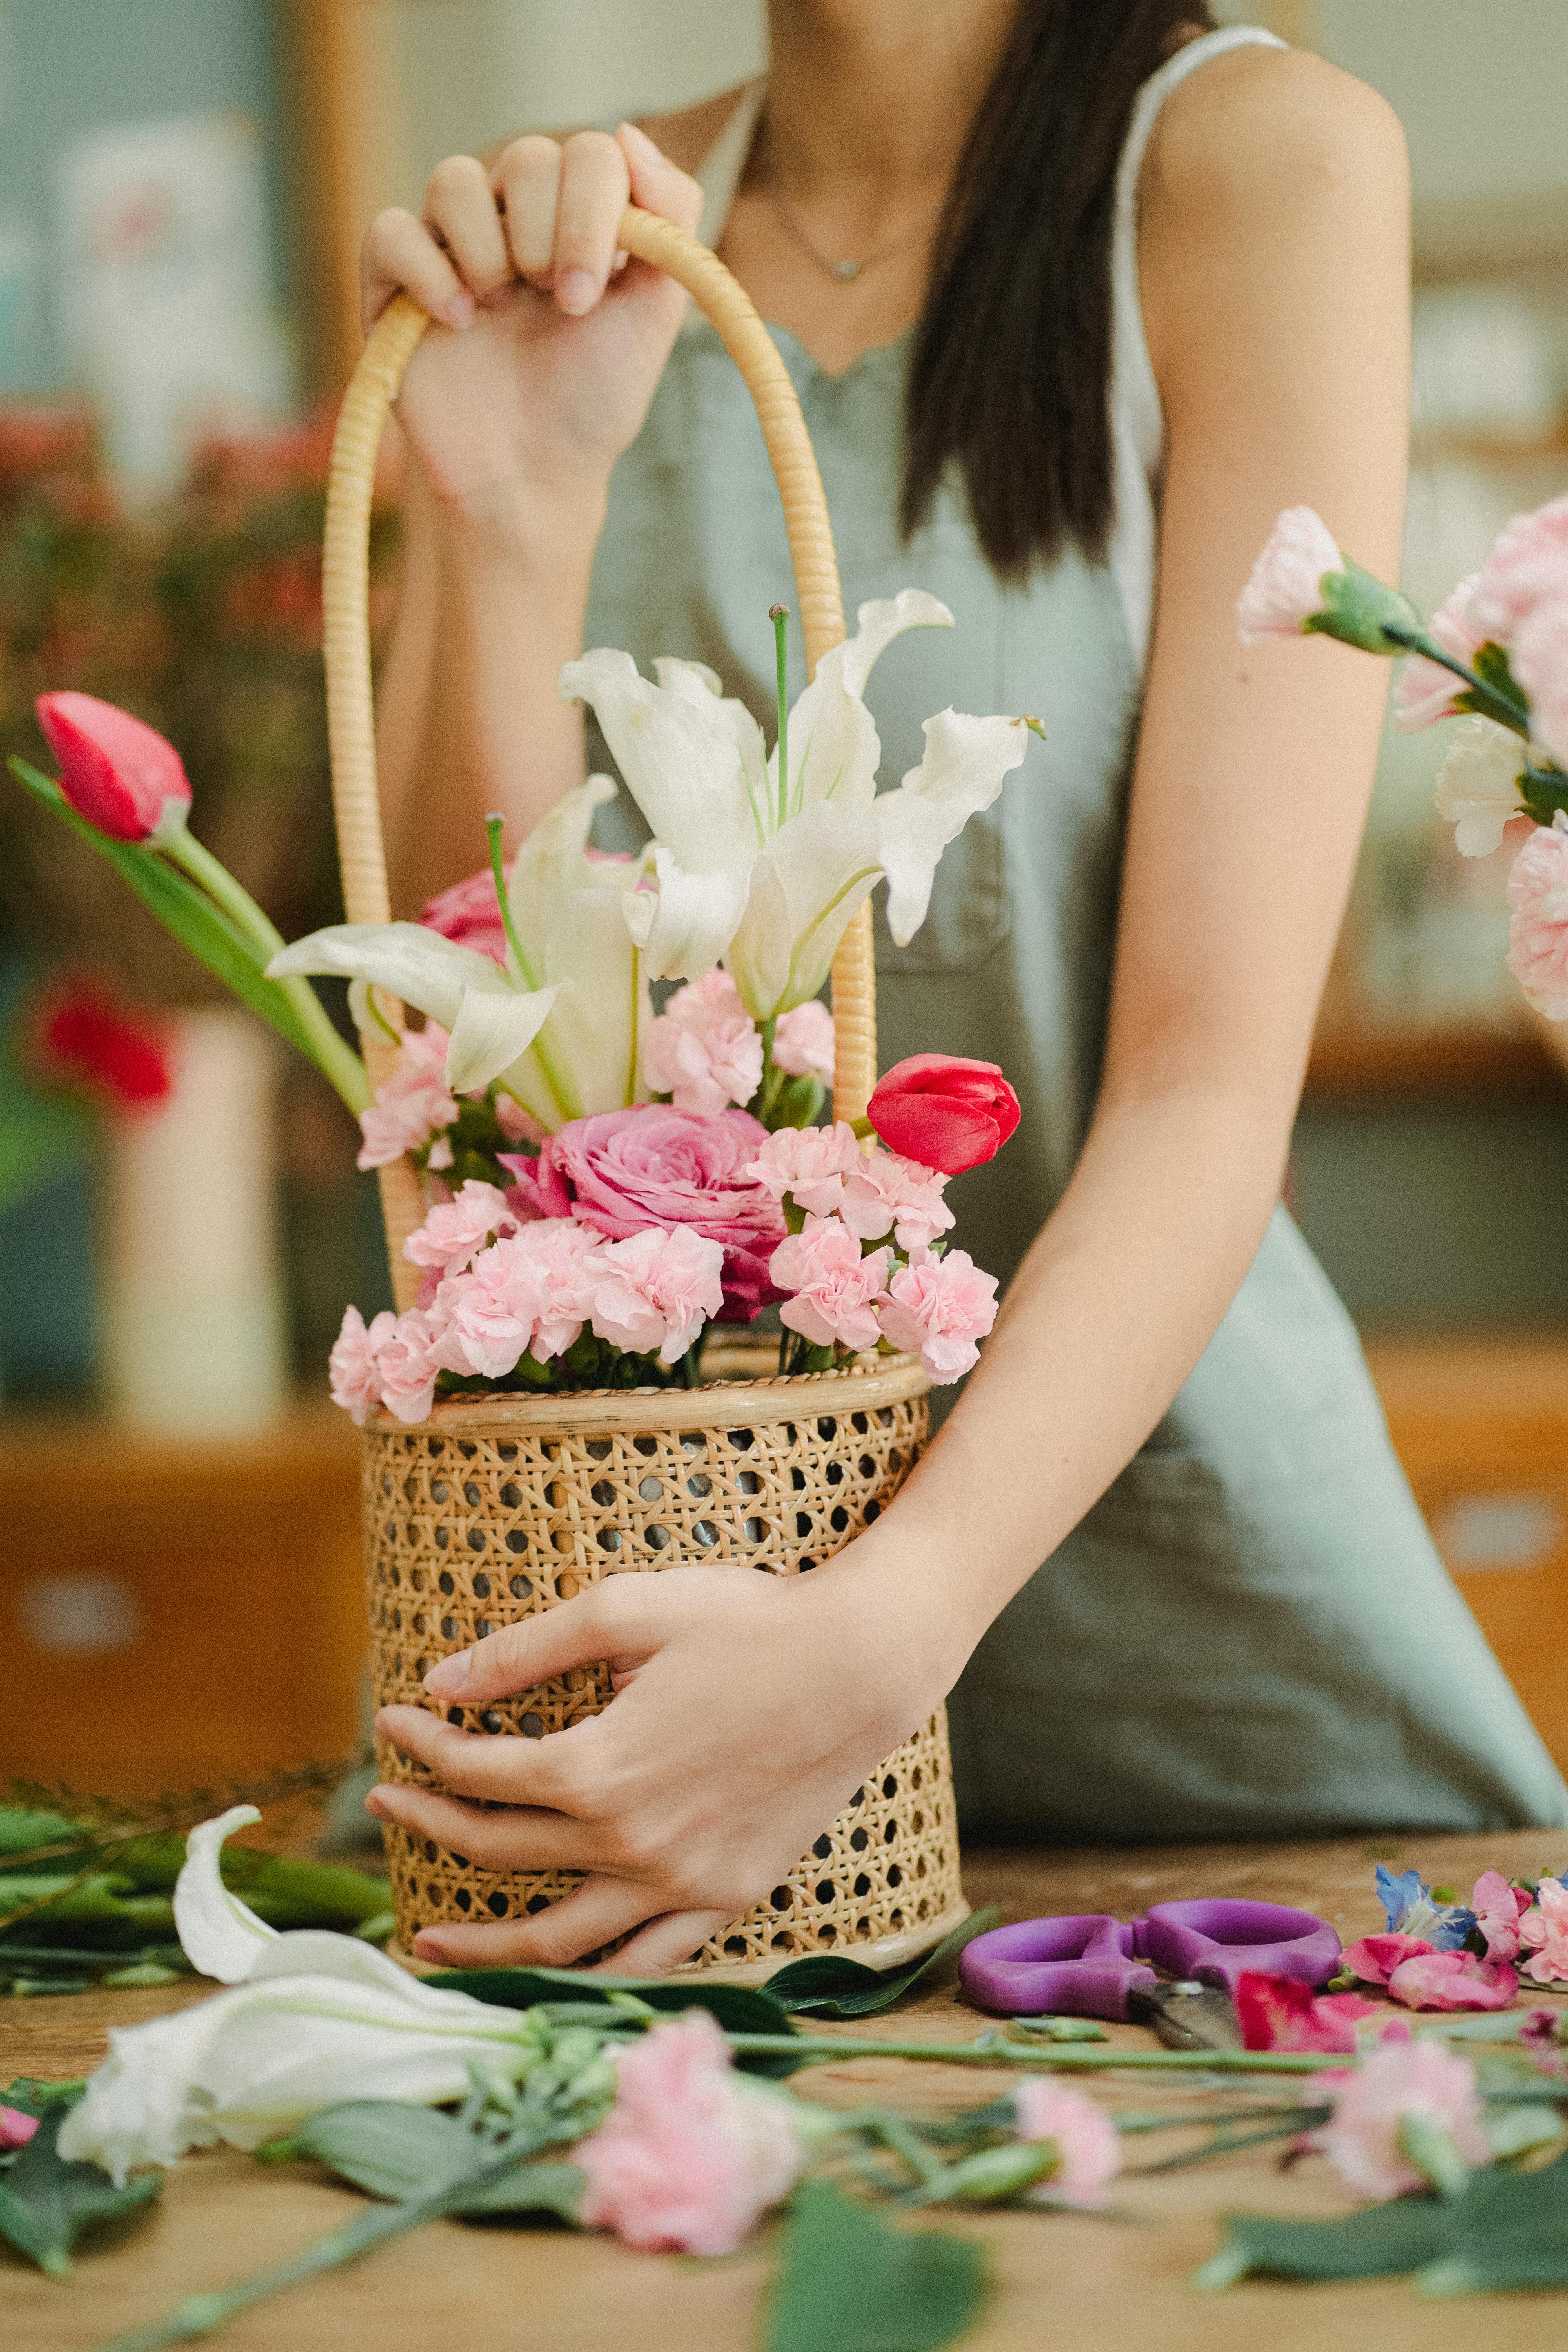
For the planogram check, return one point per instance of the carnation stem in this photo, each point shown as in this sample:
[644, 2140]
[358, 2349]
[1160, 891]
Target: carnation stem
[779, 616]
[338, 1062]
[1495, 703]
[1056, 2057]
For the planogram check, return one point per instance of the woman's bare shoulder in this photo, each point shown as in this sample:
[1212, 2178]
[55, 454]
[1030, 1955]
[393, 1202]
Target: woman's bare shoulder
[684, 136]
[1279, 127]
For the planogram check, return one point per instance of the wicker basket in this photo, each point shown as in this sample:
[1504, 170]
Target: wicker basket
[499, 1507]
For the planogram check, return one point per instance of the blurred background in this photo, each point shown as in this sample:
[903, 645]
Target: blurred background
[184, 185]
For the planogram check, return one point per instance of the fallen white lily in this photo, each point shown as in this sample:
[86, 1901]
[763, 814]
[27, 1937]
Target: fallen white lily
[313, 2019]
[764, 872]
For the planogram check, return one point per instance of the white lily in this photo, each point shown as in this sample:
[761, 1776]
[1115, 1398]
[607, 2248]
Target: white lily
[1478, 785]
[558, 1026]
[762, 873]
[311, 2019]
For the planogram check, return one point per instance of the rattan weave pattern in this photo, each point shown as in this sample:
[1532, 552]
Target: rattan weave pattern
[491, 1511]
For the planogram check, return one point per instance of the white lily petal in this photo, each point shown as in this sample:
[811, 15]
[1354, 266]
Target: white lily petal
[828, 862]
[877, 622]
[416, 965]
[137, 2107]
[695, 771]
[692, 678]
[489, 1032]
[684, 926]
[962, 771]
[551, 861]
[603, 1003]
[218, 1934]
[758, 957]
[834, 747]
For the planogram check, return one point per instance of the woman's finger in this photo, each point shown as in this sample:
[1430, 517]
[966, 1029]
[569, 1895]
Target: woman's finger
[592, 1916]
[400, 252]
[608, 1621]
[664, 1943]
[523, 1837]
[596, 182]
[549, 1772]
[658, 184]
[460, 209]
[528, 183]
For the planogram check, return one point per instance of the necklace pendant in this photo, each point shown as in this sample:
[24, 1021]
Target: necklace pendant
[847, 269]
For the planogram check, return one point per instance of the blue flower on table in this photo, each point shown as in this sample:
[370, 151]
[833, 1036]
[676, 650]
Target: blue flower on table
[1411, 1910]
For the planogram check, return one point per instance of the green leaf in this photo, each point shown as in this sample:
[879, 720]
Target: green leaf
[46, 2204]
[1373, 2243]
[395, 2151]
[186, 913]
[739, 2008]
[848, 2282]
[845, 1988]
[21, 1831]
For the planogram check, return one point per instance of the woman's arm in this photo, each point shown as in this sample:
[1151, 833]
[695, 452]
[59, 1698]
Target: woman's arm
[748, 1708]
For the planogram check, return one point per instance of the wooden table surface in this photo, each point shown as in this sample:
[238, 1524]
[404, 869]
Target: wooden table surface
[1117, 2282]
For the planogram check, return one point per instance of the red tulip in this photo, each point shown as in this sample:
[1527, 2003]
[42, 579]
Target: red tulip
[115, 770]
[943, 1111]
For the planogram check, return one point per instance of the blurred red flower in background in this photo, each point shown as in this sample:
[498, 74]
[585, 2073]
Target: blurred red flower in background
[85, 1038]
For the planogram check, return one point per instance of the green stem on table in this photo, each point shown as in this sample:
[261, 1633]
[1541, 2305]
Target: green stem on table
[338, 1062]
[1226, 2143]
[779, 616]
[1064, 2057]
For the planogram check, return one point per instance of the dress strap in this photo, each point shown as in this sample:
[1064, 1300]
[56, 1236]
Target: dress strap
[721, 169]
[1137, 417]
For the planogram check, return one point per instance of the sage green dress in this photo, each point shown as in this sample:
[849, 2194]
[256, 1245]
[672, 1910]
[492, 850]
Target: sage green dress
[1250, 1634]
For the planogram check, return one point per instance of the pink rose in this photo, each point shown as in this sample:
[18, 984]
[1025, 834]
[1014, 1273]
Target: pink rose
[1538, 919]
[1541, 665]
[1543, 1932]
[1425, 690]
[1499, 1908]
[115, 770]
[835, 1289]
[469, 913]
[803, 1042]
[1089, 2147]
[412, 1105]
[456, 1229]
[407, 1359]
[1375, 1957]
[939, 1308]
[704, 1050]
[688, 2158]
[623, 1170]
[352, 1368]
[1283, 2013]
[809, 1164]
[1531, 555]
[15, 2128]
[1452, 1981]
[1400, 2078]
[529, 1294]
[1286, 587]
[943, 1111]
[657, 1289]
[884, 1192]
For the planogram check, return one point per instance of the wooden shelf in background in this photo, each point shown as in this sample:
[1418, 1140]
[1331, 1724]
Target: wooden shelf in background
[1352, 1062]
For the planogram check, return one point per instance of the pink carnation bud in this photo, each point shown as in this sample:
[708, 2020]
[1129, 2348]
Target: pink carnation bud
[118, 772]
[689, 2158]
[1089, 2147]
[655, 1290]
[1538, 920]
[835, 1290]
[938, 1309]
[1286, 589]
[803, 1042]
[352, 1366]
[1400, 2078]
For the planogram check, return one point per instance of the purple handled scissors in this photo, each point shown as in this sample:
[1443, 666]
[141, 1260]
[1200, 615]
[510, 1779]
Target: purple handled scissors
[1090, 1965]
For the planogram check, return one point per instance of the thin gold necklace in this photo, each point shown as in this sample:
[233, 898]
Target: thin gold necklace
[845, 272]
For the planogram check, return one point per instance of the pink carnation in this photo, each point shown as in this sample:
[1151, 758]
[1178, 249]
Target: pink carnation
[1425, 690]
[1400, 2078]
[1499, 1908]
[655, 1290]
[1088, 2148]
[688, 2158]
[529, 1294]
[456, 1229]
[809, 1164]
[1529, 561]
[1374, 1959]
[623, 1170]
[412, 1105]
[884, 1192]
[939, 1308]
[1538, 920]
[1543, 1932]
[835, 1290]
[15, 2128]
[803, 1042]
[1452, 1981]
[1283, 2013]
[704, 1050]
[1286, 587]
[407, 1360]
[353, 1369]
[1541, 665]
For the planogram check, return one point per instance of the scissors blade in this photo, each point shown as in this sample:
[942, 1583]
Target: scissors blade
[1188, 2016]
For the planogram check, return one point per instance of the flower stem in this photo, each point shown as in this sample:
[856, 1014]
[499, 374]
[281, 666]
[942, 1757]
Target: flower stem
[779, 616]
[1056, 2057]
[338, 1062]
[1494, 703]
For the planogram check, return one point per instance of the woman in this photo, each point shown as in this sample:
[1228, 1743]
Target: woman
[1123, 290]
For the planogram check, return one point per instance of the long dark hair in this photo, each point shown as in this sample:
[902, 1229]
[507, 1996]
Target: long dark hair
[1012, 356]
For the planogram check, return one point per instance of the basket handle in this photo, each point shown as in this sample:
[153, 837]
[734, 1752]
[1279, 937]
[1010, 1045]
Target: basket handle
[345, 587]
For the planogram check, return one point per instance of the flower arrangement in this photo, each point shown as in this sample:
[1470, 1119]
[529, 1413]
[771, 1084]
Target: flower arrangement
[1494, 656]
[605, 1181]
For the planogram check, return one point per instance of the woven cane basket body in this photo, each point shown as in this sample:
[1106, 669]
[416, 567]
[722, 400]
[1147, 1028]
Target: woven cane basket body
[496, 1508]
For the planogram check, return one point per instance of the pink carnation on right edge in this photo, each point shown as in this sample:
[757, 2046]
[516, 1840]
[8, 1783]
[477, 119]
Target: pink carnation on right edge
[1538, 920]
[939, 1308]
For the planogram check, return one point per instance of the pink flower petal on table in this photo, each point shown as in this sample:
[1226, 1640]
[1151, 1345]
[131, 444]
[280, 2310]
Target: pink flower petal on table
[1544, 1932]
[15, 2128]
[1281, 2013]
[1375, 1957]
[1453, 1980]
[1498, 1907]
